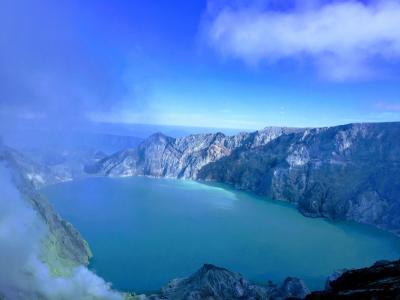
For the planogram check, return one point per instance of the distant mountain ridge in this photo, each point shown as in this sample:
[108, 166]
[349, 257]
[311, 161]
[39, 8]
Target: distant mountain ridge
[164, 156]
[347, 172]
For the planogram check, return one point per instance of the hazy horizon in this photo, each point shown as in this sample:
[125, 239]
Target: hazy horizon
[292, 63]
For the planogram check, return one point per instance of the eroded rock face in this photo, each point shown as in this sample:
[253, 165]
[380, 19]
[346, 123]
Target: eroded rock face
[380, 281]
[290, 288]
[345, 172]
[164, 156]
[215, 283]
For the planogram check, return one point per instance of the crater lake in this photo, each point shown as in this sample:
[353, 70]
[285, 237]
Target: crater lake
[145, 231]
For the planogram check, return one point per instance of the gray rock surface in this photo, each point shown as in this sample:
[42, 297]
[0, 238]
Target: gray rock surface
[346, 172]
[164, 156]
[215, 283]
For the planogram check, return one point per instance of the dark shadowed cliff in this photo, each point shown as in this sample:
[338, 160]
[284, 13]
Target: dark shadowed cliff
[380, 281]
[347, 172]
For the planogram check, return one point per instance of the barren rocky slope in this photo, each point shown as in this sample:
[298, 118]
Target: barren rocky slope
[347, 172]
[212, 282]
[164, 156]
[380, 281]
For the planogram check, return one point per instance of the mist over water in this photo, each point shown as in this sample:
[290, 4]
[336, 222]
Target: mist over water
[144, 232]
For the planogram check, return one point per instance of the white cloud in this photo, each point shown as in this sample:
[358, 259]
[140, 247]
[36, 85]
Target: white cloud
[345, 39]
[22, 274]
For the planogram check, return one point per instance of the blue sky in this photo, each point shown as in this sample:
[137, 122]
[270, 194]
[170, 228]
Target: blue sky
[228, 64]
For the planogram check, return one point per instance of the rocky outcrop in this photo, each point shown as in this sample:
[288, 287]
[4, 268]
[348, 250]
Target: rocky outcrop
[64, 246]
[164, 156]
[380, 281]
[345, 172]
[215, 283]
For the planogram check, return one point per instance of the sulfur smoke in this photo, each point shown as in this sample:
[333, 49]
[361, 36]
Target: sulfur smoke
[22, 274]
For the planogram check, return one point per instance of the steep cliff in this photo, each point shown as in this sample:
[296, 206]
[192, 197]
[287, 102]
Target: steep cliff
[344, 172]
[347, 172]
[164, 156]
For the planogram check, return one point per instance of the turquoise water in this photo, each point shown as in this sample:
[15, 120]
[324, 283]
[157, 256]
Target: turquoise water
[144, 232]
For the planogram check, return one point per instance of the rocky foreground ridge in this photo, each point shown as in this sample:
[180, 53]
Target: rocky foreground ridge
[212, 282]
[347, 172]
[380, 281]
